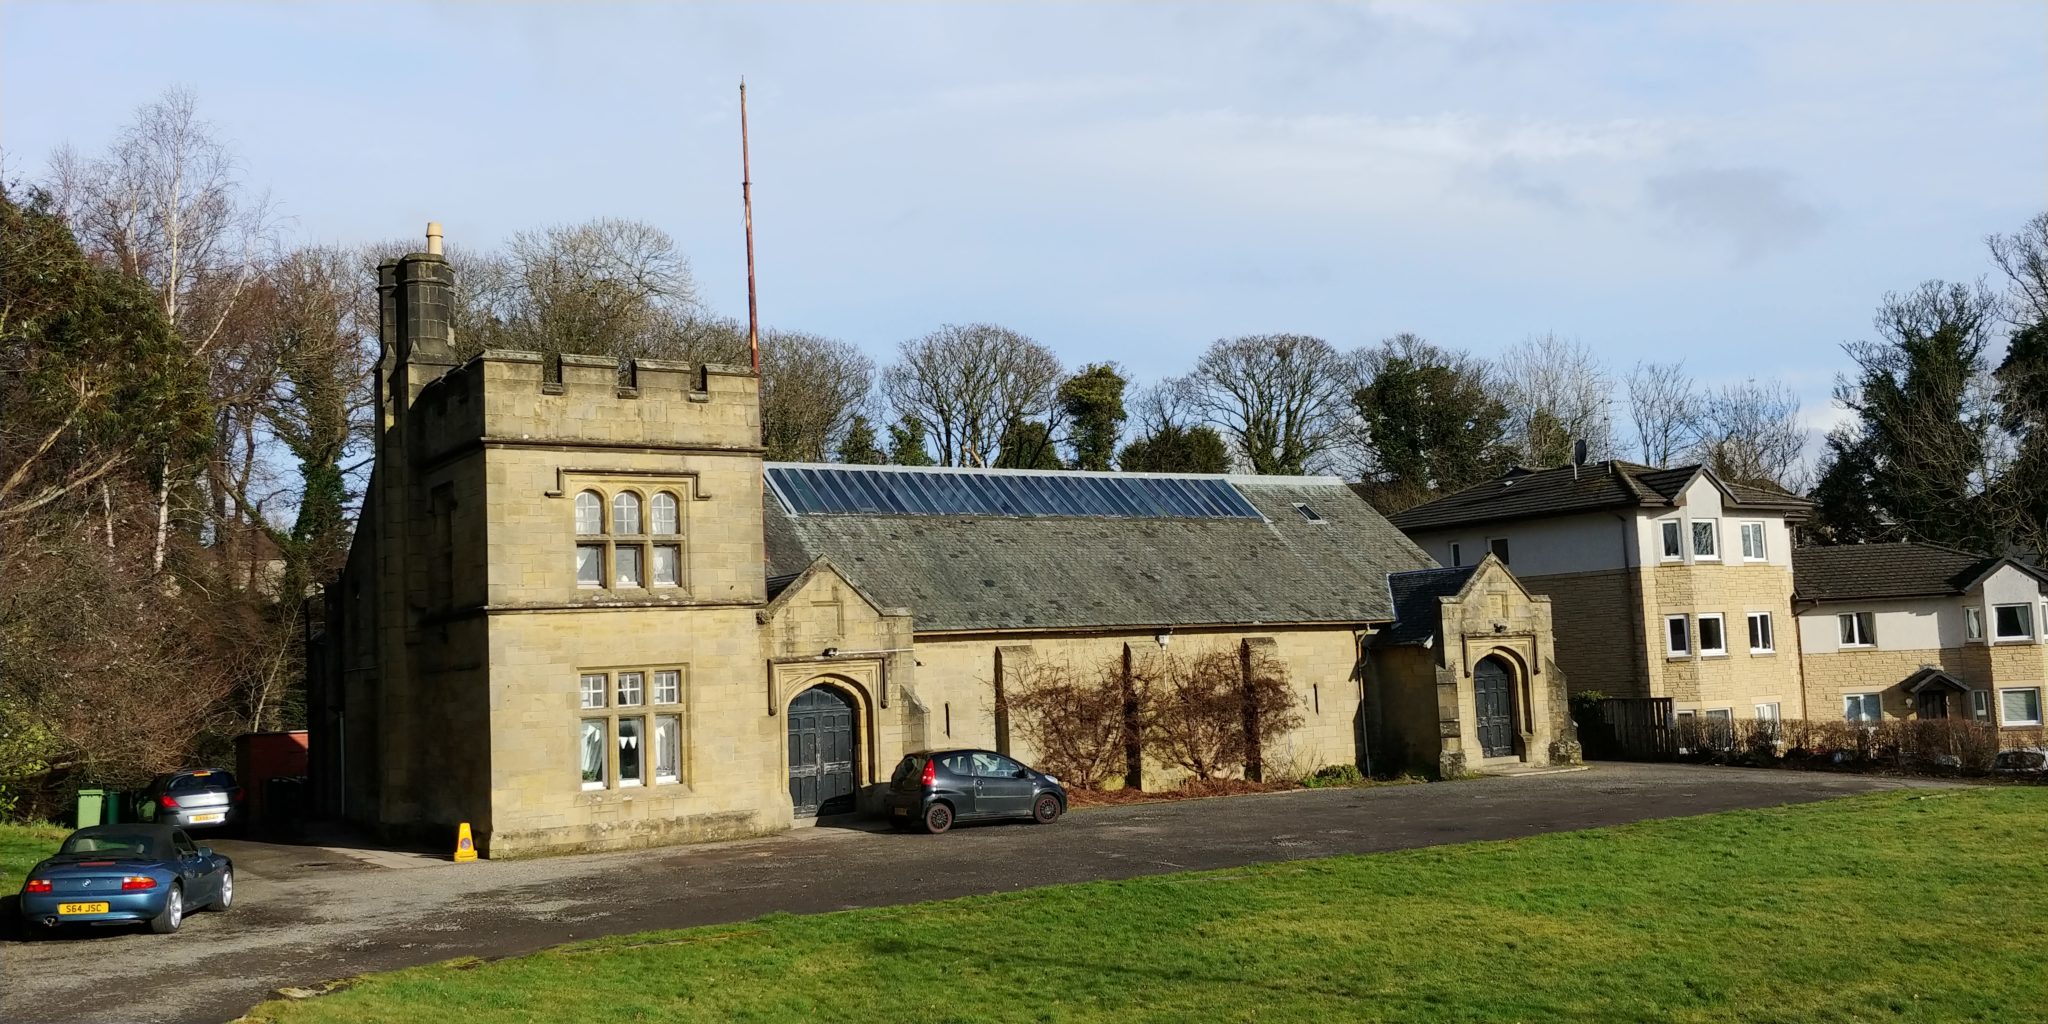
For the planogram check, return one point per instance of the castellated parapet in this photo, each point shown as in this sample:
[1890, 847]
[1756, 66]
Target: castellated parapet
[599, 402]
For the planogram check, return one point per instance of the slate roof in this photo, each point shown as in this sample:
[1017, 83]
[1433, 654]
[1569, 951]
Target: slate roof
[1416, 602]
[969, 573]
[1844, 572]
[1527, 494]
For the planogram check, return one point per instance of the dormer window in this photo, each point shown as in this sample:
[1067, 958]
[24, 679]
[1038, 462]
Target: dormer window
[1706, 539]
[2013, 622]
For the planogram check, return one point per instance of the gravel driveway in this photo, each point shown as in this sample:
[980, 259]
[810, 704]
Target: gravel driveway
[305, 914]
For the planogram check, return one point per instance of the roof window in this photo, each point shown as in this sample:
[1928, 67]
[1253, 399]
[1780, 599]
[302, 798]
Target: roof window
[1308, 513]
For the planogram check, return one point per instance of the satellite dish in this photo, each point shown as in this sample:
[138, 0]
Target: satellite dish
[1579, 452]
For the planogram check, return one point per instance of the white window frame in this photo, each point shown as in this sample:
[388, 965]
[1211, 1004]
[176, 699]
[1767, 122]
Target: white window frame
[1714, 540]
[1980, 705]
[619, 740]
[1755, 527]
[1770, 633]
[1861, 699]
[1865, 628]
[1670, 534]
[593, 686]
[604, 758]
[1699, 629]
[1769, 711]
[1973, 623]
[1998, 634]
[632, 689]
[1457, 554]
[2003, 691]
[1678, 652]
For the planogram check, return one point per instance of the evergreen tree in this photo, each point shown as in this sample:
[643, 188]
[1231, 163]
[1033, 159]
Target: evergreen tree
[907, 445]
[1093, 402]
[859, 447]
[1177, 449]
[1028, 445]
[1432, 424]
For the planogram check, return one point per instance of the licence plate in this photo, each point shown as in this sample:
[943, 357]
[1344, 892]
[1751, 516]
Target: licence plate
[201, 819]
[901, 812]
[81, 908]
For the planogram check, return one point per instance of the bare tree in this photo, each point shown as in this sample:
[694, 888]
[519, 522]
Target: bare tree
[2023, 257]
[1558, 392]
[604, 287]
[1666, 407]
[1750, 433]
[1073, 718]
[968, 384]
[1282, 400]
[165, 205]
[811, 389]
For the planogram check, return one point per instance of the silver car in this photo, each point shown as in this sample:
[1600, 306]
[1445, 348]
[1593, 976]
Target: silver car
[195, 798]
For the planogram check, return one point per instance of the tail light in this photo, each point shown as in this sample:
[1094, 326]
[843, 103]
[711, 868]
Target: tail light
[931, 773]
[133, 883]
[166, 801]
[38, 885]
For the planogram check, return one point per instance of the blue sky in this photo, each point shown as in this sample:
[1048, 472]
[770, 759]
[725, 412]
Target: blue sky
[1736, 184]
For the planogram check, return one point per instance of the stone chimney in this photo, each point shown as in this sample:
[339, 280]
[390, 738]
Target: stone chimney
[417, 294]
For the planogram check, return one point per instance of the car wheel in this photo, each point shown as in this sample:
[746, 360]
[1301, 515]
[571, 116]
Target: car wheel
[227, 891]
[938, 818]
[1046, 809]
[173, 913]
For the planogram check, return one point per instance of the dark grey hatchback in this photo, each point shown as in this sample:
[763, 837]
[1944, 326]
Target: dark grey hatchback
[933, 789]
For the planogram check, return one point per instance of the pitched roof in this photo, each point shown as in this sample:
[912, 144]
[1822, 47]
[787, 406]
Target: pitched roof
[996, 572]
[1416, 597]
[1841, 572]
[1527, 494]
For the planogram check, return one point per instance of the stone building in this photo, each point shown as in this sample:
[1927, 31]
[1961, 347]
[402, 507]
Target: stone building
[1664, 582]
[580, 612]
[1912, 630]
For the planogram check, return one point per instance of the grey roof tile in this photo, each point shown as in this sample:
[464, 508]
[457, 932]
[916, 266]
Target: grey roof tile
[965, 573]
[1527, 494]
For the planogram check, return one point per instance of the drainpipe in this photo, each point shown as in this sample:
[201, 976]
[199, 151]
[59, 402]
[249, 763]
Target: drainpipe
[1635, 618]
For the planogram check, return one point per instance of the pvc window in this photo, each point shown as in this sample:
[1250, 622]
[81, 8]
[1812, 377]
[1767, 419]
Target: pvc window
[1706, 539]
[1753, 542]
[2012, 622]
[1677, 636]
[1980, 705]
[592, 752]
[1674, 539]
[1973, 623]
[2020, 706]
[1713, 635]
[1457, 556]
[1857, 629]
[594, 686]
[1862, 708]
[1760, 639]
[1768, 712]
[632, 751]
[631, 689]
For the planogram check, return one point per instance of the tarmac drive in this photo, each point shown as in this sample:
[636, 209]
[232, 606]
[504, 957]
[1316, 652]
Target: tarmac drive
[307, 914]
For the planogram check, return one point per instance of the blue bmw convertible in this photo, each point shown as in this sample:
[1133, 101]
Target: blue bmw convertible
[127, 874]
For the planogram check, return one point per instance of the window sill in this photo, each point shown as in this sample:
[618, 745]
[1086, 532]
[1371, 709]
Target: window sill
[2012, 641]
[1763, 654]
[1677, 657]
[1857, 647]
[1713, 655]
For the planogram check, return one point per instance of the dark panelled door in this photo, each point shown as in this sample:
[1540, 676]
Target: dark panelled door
[1495, 693]
[820, 752]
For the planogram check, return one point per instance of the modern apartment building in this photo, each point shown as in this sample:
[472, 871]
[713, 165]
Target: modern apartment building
[1922, 631]
[1663, 582]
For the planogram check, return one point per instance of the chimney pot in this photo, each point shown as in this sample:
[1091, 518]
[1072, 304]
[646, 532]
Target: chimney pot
[434, 238]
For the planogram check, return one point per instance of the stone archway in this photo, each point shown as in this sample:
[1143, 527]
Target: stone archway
[824, 749]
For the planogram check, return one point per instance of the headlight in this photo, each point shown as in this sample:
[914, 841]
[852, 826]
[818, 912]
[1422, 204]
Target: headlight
[1054, 779]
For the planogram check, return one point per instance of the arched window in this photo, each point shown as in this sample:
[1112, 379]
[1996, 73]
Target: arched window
[626, 514]
[663, 514]
[665, 524]
[589, 514]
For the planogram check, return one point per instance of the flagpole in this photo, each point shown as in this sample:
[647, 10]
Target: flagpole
[747, 201]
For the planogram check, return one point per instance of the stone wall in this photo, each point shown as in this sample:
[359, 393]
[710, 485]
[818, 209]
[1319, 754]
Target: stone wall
[1598, 629]
[1738, 680]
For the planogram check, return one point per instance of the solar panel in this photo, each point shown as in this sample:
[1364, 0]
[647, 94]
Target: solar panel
[863, 490]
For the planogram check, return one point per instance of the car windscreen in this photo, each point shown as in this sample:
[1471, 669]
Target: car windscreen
[138, 844]
[202, 780]
[909, 767]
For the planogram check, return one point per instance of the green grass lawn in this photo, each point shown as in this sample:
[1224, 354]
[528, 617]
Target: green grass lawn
[20, 847]
[1903, 906]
